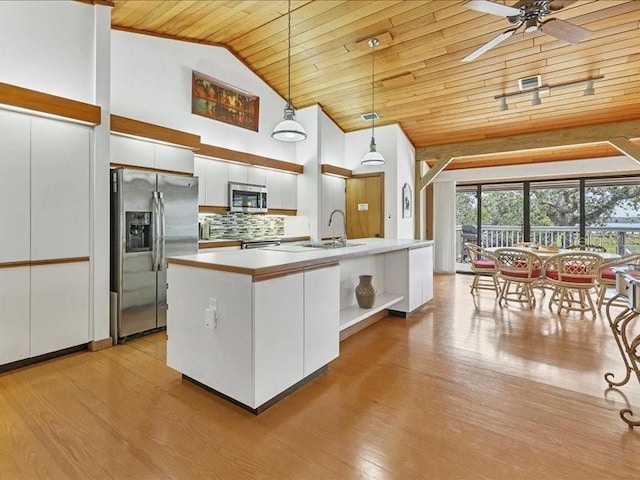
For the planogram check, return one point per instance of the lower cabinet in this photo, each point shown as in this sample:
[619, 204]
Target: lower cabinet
[14, 319]
[44, 309]
[251, 340]
[410, 274]
[59, 306]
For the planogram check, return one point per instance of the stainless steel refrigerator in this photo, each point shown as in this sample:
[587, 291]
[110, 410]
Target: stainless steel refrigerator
[153, 216]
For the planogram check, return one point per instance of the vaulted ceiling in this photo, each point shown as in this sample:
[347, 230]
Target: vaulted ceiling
[421, 82]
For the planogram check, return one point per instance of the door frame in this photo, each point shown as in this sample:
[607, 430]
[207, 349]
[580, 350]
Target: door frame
[382, 204]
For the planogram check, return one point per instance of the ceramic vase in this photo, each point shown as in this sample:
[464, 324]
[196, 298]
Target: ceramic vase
[365, 293]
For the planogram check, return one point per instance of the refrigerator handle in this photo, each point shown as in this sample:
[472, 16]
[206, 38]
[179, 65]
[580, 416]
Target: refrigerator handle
[155, 205]
[161, 260]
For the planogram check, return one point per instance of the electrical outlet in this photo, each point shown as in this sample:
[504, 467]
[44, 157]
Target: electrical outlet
[209, 321]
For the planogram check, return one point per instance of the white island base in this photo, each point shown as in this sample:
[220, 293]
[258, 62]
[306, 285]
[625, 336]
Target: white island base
[254, 325]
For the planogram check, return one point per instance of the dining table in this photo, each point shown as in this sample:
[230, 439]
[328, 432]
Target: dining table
[545, 253]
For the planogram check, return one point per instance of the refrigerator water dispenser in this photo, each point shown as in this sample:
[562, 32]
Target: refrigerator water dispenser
[138, 230]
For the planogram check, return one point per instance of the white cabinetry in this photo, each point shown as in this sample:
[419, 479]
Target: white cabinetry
[257, 176]
[44, 206]
[15, 190]
[213, 184]
[273, 181]
[59, 190]
[266, 337]
[289, 191]
[321, 317]
[14, 320]
[141, 153]
[278, 334]
[59, 306]
[410, 271]
[238, 173]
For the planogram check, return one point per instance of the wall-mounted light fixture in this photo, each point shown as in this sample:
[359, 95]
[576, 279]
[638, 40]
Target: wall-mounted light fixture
[535, 92]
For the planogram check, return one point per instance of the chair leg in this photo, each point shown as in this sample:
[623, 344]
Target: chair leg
[474, 284]
[503, 291]
[590, 301]
[602, 291]
[496, 284]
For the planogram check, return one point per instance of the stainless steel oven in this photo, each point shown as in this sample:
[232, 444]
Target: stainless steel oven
[248, 198]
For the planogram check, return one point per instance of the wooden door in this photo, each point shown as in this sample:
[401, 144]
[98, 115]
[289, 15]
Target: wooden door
[365, 204]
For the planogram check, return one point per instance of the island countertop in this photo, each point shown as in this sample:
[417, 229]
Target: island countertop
[287, 258]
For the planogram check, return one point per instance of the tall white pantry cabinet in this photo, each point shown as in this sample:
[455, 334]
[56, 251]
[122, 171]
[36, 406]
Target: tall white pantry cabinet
[44, 239]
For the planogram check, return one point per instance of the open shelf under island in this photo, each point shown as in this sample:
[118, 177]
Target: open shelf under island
[253, 325]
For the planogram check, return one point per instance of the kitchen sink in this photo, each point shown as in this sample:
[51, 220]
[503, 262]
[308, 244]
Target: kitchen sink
[330, 245]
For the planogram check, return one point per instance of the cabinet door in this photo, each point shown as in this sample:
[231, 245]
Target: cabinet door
[131, 151]
[278, 335]
[60, 158]
[427, 288]
[59, 307]
[289, 191]
[418, 270]
[15, 196]
[14, 320]
[321, 317]
[174, 159]
[217, 183]
[238, 173]
[274, 189]
[257, 176]
[200, 171]
[219, 356]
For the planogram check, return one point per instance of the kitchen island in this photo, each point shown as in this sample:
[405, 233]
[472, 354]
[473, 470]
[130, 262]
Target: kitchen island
[253, 325]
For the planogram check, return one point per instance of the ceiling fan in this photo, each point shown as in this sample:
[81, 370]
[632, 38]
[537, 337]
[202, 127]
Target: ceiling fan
[531, 14]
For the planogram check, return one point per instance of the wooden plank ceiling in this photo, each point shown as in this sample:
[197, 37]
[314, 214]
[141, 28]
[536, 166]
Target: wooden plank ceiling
[421, 83]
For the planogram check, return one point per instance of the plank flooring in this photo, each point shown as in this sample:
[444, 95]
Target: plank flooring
[460, 390]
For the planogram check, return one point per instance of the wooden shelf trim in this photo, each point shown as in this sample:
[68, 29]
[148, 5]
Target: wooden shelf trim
[335, 171]
[19, 97]
[137, 128]
[149, 169]
[46, 261]
[213, 151]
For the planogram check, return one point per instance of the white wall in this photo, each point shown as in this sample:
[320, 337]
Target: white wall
[309, 183]
[399, 155]
[48, 46]
[444, 219]
[151, 81]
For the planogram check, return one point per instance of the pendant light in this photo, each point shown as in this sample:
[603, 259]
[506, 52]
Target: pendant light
[372, 157]
[288, 130]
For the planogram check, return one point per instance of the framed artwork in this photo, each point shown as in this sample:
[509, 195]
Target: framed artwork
[406, 201]
[214, 99]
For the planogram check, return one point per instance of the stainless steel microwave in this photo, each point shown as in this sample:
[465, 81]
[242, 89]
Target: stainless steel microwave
[248, 198]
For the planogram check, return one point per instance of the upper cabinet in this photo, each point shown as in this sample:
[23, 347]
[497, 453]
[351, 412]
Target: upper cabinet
[212, 182]
[142, 153]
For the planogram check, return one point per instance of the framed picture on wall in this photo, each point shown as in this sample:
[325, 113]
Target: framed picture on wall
[406, 201]
[214, 99]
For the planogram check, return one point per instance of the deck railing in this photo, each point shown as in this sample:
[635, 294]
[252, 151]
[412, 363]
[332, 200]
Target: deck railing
[620, 240]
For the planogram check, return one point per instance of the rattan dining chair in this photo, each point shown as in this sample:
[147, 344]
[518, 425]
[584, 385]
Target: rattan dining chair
[588, 248]
[483, 266]
[572, 275]
[519, 270]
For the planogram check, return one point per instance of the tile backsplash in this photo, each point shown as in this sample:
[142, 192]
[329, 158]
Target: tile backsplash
[242, 225]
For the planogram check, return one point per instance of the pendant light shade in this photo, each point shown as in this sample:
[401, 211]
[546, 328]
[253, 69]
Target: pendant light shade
[288, 130]
[373, 157]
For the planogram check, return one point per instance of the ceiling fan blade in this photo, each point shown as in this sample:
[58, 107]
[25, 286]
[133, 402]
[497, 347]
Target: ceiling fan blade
[485, 6]
[564, 30]
[489, 45]
[556, 5]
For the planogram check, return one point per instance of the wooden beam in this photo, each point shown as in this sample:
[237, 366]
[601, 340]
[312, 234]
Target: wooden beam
[248, 158]
[627, 147]
[33, 100]
[129, 126]
[335, 171]
[433, 173]
[530, 141]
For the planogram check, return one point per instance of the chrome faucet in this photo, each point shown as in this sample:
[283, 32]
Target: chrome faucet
[342, 240]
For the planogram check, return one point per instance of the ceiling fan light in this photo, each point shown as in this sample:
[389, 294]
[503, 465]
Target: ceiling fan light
[531, 25]
[372, 157]
[289, 130]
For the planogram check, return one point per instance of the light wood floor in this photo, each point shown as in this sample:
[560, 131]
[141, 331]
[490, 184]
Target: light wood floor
[461, 390]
